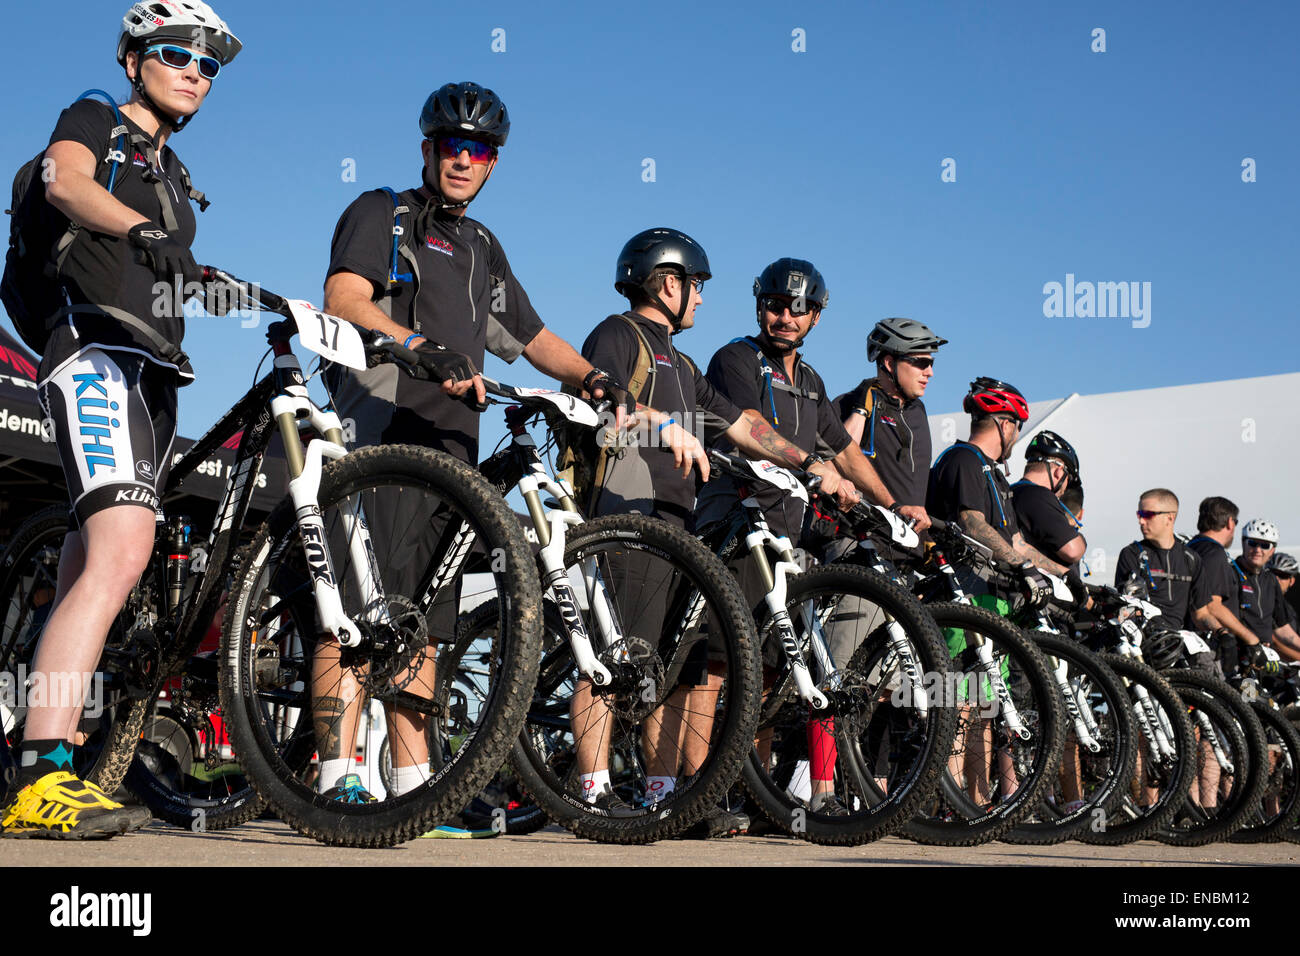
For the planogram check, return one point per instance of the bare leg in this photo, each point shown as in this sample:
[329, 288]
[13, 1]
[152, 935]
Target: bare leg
[112, 549]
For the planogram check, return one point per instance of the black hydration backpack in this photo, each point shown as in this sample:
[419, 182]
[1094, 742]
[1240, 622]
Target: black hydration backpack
[40, 238]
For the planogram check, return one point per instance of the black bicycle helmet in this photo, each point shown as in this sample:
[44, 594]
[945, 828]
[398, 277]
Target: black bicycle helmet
[466, 109]
[655, 248]
[797, 278]
[1047, 445]
[897, 336]
[1162, 646]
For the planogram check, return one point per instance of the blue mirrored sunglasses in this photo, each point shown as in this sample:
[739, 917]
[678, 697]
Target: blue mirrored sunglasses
[178, 58]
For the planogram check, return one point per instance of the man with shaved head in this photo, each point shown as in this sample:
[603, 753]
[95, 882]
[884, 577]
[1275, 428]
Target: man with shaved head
[1171, 571]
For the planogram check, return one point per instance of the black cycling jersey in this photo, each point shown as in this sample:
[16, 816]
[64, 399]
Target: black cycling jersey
[752, 377]
[1046, 524]
[101, 270]
[1174, 579]
[1263, 608]
[1220, 577]
[896, 437]
[963, 479]
[468, 300]
[644, 479]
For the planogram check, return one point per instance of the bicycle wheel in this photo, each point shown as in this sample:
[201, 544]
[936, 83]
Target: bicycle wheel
[293, 698]
[1218, 711]
[502, 804]
[683, 699]
[1098, 760]
[1000, 757]
[1166, 758]
[1279, 804]
[184, 769]
[891, 732]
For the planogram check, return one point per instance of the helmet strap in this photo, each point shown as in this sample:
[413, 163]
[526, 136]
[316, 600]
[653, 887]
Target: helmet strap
[776, 345]
[173, 123]
[675, 319]
[439, 198]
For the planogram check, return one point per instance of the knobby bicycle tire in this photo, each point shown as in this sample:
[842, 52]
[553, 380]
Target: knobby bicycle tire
[1131, 821]
[1109, 769]
[1283, 783]
[647, 688]
[268, 660]
[955, 818]
[889, 754]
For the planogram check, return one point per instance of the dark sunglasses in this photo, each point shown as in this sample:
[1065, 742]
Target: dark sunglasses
[1148, 515]
[178, 58]
[921, 362]
[777, 305]
[449, 147]
[1261, 545]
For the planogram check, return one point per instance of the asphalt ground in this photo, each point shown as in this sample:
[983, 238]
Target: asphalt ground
[270, 843]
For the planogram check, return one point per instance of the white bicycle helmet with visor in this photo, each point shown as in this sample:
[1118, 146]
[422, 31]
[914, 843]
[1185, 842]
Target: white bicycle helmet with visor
[189, 22]
[1260, 531]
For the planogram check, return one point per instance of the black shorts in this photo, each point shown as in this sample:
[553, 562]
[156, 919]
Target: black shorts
[113, 418]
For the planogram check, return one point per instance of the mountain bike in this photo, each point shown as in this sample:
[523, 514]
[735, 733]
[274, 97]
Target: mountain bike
[854, 705]
[627, 677]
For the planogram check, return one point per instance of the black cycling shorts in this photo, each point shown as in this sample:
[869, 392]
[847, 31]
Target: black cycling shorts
[113, 417]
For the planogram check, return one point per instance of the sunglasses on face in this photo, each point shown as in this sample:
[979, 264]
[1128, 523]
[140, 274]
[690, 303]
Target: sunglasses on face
[1148, 515]
[921, 362]
[178, 58]
[449, 147]
[1259, 545]
[777, 305]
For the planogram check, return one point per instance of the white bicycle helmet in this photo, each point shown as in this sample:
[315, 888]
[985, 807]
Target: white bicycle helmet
[186, 21]
[1260, 531]
[1283, 563]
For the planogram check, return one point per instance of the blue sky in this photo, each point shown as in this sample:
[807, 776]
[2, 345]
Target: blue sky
[1117, 166]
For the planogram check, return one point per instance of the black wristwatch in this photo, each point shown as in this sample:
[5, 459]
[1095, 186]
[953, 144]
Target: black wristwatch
[812, 459]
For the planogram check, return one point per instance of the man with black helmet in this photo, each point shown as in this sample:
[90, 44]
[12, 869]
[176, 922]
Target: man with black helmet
[414, 266]
[1051, 464]
[766, 372]
[662, 272]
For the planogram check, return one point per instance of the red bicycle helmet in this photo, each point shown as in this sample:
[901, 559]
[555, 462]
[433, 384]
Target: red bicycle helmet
[989, 396]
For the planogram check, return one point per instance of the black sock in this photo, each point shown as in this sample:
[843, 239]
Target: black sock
[36, 758]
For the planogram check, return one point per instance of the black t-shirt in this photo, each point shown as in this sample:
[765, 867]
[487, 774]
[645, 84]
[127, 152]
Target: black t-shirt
[806, 418]
[645, 479]
[963, 479]
[101, 269]
[896, 438]
[1263, 607]
[467, 300]
[1220, 577]
[1175, 579]
[1043, 520]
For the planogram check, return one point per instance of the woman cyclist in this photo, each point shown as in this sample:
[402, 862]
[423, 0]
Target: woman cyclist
[108, 379]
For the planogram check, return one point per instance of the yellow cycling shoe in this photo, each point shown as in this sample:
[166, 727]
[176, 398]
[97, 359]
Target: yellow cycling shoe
[62, 806]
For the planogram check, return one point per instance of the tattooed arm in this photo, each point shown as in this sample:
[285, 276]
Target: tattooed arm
[975, 525]
[755, 437]
[1040, 560]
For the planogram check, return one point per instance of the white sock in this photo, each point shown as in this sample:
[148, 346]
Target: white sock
[657, 788]
[406, 779]
[594, 784]
[332, 771]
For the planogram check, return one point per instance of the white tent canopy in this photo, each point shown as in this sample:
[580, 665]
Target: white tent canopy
[1236, 438]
